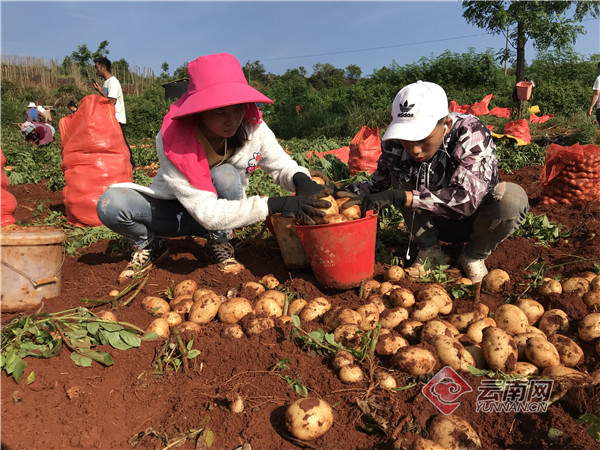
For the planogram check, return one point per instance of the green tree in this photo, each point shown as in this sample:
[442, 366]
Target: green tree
[255, 72]
[165, 71]
[544, 22]
[180, 72]
[353, 73]
[326, 76]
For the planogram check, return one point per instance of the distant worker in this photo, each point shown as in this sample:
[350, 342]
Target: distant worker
[111, 88]
[596, 98]
[40, 134]
[72, 106]
[32, 114]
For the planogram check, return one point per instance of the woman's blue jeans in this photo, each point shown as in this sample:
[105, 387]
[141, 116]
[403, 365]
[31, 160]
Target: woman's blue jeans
[498, 216]
[140, 218]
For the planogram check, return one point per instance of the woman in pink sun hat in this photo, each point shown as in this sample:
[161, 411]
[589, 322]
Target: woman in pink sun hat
[210, 141]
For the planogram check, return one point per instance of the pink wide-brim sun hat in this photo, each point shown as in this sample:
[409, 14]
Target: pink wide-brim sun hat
[216, 81]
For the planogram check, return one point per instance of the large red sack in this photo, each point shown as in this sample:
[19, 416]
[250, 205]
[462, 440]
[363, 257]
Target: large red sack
[94, 156]
[518, 129]
[500, 112]
[570, 174]
[481, 108]
[540, 119]
[365, 149]
[8, 202]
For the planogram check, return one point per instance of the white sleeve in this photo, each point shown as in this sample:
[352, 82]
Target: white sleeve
[596, 84]
[275, 160]
[114, 88]
[204, 206]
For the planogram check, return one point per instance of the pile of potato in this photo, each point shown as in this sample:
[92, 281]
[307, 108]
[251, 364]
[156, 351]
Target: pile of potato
[578, 179]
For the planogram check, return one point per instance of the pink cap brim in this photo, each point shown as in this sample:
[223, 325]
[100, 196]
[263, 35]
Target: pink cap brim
[218, 96]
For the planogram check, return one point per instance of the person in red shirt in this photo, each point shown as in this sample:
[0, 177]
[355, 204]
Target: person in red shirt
[39, 134]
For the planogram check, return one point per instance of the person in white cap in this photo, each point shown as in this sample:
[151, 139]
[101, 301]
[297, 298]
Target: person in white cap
[33, 114]
[443, 173]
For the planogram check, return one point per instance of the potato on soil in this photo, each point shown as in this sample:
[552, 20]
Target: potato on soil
[401, 297]
[172, 318]
[268, 306]
[314, 309]
[521, 341]
[437, 294]
[410, 330]
[253, 324]
[386, 287]
[182, 303]
[369, 287]
[234, 309]
[278, 296]
[348, 335]
[391, 317]
[595, 283]
[188, 326]
[425, 444]
[377, 300]
[369, 314]
[233, 330]
[296, 306]
[270, 281]
[385, 379]
[477, 353]
[342, 358]
[511, 319]
[309, 418]
[475, 330]
[114, 293]
[499, 349]
[566, 373]
[532, 309]
[554, 321]
[453, 432]
[526, 369]
[251, 290]
[462, 320]
[494, 281]
[436, 327]
[351, 374]
[414, 360]
[451, 353]
[592, 300]
[205, 309]
[389, 343]
[106, 315]
[201, 292]
[394, 274]
[185, 287]
[589, 327]
[541, 353]
[155, 305]
[575, 285]
[570, 353]
[424, 311]
[464, 280]
[340, 316]
[550, 286]
[159, 326]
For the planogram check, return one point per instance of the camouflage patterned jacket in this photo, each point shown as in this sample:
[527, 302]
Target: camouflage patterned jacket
[453, 183]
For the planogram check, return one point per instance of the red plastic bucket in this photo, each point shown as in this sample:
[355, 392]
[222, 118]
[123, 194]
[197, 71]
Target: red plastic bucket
[341, 255]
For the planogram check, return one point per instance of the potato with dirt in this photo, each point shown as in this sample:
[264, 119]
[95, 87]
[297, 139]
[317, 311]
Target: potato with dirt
[541, 353]
[205, 309]
[309, 418]
[234, 309]
[453, 432]
[451, 353]
[589, 327]
[554, 321]
[499, 349]
[494, 281]
[570, 353]
[185, 287]
[532, 309]
[155, 305]
[438, 295]
[511, 319]
[414, 360]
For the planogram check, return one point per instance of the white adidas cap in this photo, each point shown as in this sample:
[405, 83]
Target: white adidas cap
[416, 110]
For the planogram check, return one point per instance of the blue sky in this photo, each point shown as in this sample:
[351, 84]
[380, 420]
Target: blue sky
[281, 35]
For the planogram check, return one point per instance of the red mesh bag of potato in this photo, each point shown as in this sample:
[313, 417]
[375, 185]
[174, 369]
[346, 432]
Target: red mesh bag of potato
[365, 149]
[570, 174]
[94, 156]
[8, 202]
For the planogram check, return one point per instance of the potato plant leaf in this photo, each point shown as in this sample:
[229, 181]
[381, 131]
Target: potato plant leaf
[80, 360]
[594, 425]
[31, 378]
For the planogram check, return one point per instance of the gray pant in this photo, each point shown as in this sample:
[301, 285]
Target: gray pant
[498, 216]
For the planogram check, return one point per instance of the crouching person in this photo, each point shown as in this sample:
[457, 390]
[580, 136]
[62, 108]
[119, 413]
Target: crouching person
[441, 170]
[211, 140]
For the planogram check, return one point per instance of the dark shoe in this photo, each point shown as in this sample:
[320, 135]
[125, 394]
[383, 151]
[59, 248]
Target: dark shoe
[225, 257]
[144, 260]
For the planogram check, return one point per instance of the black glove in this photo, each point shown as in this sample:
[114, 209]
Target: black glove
[377, 201]
[299, 207]
[306, 186]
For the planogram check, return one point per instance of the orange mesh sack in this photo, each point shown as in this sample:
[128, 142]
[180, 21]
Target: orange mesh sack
[94, 156]
[570, 174]
[8, 202]
[365, 150]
